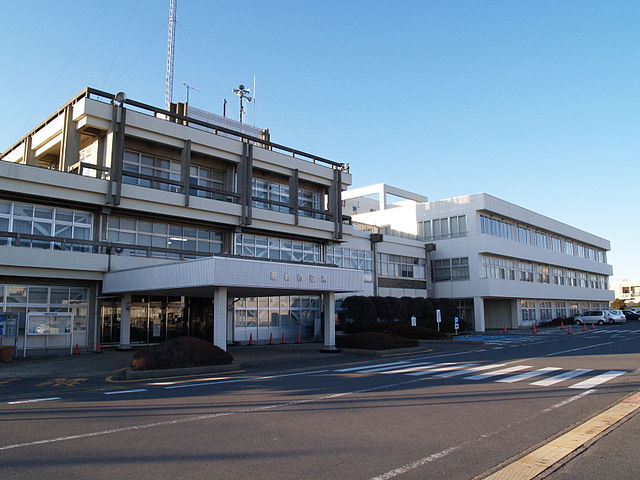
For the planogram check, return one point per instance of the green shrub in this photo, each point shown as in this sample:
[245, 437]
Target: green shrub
[374, 341]
[383, 309]
[398, 308]
[179, 353]
[360, 312]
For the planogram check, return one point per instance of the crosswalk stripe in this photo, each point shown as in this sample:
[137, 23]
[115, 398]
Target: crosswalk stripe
[482, 376]
[469, 370]
[410, 366]
[417, 368]
[370, 366]
[598, 379]
[526, 375]
[441, 369]
[563, 376]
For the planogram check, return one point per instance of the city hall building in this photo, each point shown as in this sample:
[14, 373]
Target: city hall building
[122, 223]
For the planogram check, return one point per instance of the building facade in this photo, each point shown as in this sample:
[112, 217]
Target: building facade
[627, 290]
[122, 223]
[506, 266]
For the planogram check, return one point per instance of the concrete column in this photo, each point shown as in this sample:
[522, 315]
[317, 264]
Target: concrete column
[329, 309]
[478, 314]
[220, 317]
[125, 322]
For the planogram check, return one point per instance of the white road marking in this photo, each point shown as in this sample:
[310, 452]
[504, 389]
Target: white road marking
[117, 392]
[563, 376]
[34, 400]
[469, 370]
[526, 375]
[370, 366]
[482, 376]
[598, 379]
[443, 369]
[244, 379]
[576, 349]
[568, 400]
[382, 369]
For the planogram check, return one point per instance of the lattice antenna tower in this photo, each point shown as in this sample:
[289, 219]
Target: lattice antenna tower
[171, 43]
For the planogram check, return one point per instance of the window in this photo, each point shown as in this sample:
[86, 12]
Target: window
[350, 258]
[450, 269]
[498, 268]
[308, 199]
[558, 276]
[495, 227]
[206, 177]
[152, 234]
[541, 240]
[48, 221]
[528, 308]
[546, 313]
[257, 246]
[441, 228]
[556, 244]
[542, 273]
[523, 235]
[526, 271]
[158, 167]
[400, 266]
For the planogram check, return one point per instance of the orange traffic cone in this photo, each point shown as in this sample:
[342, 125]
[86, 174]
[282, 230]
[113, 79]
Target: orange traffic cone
[99, 348]
[561, 325]
[76, 350]
[282, 339]
[271, 339]
[250, 340]
[534, 330]
[298, 339]
[569, 330]
[593, 326]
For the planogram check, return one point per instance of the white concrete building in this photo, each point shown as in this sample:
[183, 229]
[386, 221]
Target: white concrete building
[123, 223]
[627, 290]
[505, 265]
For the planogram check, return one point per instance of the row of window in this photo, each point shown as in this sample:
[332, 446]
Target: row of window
[508, 269]
[546, 310]
[440, 228]
[450, 269]
[164, 168]
[258, 246]
[293, 311]
[503, 229]
[25, 299]
[350, 258]
[146, 233]
[399, 266]
[48, 221]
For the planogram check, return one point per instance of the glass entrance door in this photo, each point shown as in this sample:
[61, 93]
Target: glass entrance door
[109, 321]
[139, 323]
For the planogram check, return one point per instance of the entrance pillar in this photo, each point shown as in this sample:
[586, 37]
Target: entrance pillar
[329, 311]
[478, 314]
[220, 317]
[125, 322]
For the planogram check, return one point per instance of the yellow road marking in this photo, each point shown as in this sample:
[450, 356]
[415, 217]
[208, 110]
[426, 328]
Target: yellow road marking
[544, 457]
[6, 381]
[62, 382]
[110, 378]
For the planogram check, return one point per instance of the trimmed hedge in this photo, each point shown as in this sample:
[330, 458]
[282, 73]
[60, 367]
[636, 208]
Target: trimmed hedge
[179, 352]
[374, 341]
[362, 314]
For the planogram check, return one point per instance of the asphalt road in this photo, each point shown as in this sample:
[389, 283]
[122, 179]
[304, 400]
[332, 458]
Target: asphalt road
[453, 415]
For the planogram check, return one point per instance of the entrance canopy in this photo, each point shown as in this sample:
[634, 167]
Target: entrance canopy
[241, 277]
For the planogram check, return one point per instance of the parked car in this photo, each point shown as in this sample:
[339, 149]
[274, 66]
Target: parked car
[600, 317]
[631, 315]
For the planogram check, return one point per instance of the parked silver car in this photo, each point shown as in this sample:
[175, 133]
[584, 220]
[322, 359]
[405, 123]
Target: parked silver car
[600, 317]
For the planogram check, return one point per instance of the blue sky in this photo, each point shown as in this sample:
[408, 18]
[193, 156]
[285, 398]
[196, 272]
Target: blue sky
[535, 102]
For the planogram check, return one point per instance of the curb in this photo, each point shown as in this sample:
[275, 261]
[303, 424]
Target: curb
[172, 372]
[379, 353]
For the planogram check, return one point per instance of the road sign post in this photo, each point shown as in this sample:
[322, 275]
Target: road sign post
[438, 318]
[456, 324]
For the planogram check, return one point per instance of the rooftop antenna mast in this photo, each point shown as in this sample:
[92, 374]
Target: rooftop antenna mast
[171, 42]
[242, 92]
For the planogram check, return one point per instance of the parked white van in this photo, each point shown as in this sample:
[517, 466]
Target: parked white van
[600, 317]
